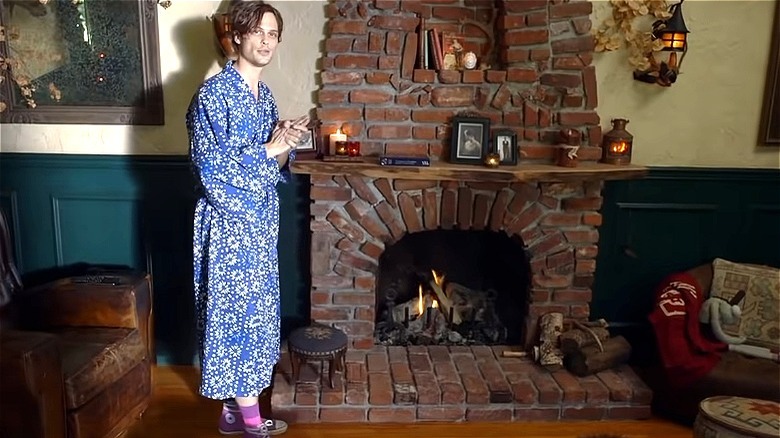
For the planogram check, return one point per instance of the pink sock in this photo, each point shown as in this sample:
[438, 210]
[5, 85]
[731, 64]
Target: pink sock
[251, 414]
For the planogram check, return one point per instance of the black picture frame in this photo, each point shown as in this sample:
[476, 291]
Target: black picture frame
[505, 145]
[470, 139]
[310, 146]
[144, 107]
[769, 130]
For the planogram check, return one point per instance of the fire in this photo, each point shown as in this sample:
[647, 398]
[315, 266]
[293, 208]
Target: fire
[439, 279]
[420, 301]
[619, 147]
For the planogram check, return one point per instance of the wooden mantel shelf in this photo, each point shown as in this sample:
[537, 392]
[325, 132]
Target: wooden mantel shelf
[460, 172]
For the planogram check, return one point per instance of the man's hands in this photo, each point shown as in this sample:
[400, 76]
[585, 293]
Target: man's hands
[287, 135]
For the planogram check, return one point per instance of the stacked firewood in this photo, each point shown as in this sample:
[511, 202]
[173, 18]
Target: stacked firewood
[584, 348]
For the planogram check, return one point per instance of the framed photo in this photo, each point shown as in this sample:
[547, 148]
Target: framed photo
[770, 116]
[470, 139]
[309, 145]
[505, 145]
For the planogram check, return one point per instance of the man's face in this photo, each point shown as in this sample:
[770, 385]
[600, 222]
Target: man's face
[258, 46]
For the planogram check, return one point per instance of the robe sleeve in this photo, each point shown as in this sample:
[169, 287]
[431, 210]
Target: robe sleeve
[285, 173]
[232, 181]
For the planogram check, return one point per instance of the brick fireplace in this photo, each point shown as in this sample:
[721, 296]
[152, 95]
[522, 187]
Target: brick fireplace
[354, 218]
[539, 80]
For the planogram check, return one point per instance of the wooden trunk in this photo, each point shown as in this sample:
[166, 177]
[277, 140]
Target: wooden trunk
[590, 360]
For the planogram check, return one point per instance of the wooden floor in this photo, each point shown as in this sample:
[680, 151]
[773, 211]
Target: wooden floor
[177, 411]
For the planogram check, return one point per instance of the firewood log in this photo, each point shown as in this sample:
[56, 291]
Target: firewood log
[575, 339]
[445, 303]
[590, 360]
[550, 355]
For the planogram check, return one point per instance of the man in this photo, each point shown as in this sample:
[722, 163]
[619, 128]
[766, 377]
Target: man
[240, 152]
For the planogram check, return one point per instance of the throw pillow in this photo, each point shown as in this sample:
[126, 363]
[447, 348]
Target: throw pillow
[760, 321]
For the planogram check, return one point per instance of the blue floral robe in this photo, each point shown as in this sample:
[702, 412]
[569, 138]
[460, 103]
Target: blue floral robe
[236, 230]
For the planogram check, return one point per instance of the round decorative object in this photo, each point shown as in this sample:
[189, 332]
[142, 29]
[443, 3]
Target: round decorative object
[469, 60]
[732, 417]
[492, 160]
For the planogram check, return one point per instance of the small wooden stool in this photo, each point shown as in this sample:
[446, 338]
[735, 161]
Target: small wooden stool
[317, 342]
[732, 417]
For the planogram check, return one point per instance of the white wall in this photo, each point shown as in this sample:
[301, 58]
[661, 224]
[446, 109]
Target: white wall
[709, 118]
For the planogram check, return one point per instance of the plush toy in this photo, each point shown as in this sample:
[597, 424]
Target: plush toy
[716, 311]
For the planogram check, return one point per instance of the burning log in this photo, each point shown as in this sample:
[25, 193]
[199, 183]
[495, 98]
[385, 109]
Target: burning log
[445, 303]
[550, 355]
[590, 359]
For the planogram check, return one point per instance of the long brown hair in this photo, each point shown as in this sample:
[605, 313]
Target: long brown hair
[245, 16]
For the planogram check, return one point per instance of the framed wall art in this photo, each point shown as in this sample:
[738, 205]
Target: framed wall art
[769, 134]
[309, 147]
[80, 62]
[505, 145]
[470, 139]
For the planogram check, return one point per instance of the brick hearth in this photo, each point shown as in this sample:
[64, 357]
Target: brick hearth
[437, 383]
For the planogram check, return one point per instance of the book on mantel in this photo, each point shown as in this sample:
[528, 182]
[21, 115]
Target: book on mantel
[393, 160]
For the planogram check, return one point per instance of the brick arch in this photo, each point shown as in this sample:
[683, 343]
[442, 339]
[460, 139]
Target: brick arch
[355, 218]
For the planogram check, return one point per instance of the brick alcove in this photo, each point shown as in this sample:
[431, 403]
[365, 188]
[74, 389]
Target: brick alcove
[540, 78]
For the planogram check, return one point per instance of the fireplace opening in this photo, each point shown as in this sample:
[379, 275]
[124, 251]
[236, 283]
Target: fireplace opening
[452, 287]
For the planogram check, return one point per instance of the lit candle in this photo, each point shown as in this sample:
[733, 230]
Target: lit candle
[337, 136]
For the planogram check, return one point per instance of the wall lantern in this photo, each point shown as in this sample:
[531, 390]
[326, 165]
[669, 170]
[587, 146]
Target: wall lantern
[617, 144]
[223, 30]
[673, 34]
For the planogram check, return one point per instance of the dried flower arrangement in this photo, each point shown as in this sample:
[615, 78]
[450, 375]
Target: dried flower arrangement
[619, 29]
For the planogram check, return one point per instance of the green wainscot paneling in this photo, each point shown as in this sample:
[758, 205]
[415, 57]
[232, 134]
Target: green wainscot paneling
[68, 211]
[676, 219]
[137, 211]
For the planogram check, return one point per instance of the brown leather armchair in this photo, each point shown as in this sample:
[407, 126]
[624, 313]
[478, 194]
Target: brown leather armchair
[75, 354]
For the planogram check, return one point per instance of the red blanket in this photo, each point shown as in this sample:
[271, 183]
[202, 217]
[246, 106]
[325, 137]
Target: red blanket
[687, 354]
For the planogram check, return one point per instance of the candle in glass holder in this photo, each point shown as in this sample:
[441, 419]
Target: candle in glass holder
[492, 160]
[337, 137]
[341, 148]
[353, 148]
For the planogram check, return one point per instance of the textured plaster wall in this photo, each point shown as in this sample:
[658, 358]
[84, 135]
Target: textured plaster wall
[709, 118]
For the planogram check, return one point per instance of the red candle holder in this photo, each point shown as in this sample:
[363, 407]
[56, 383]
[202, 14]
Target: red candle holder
[353, 148]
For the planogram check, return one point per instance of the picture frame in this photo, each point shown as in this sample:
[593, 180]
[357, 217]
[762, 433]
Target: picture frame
[505, 145]
[769, 129]
[469, 140]
[309, 147]
[121, 85]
